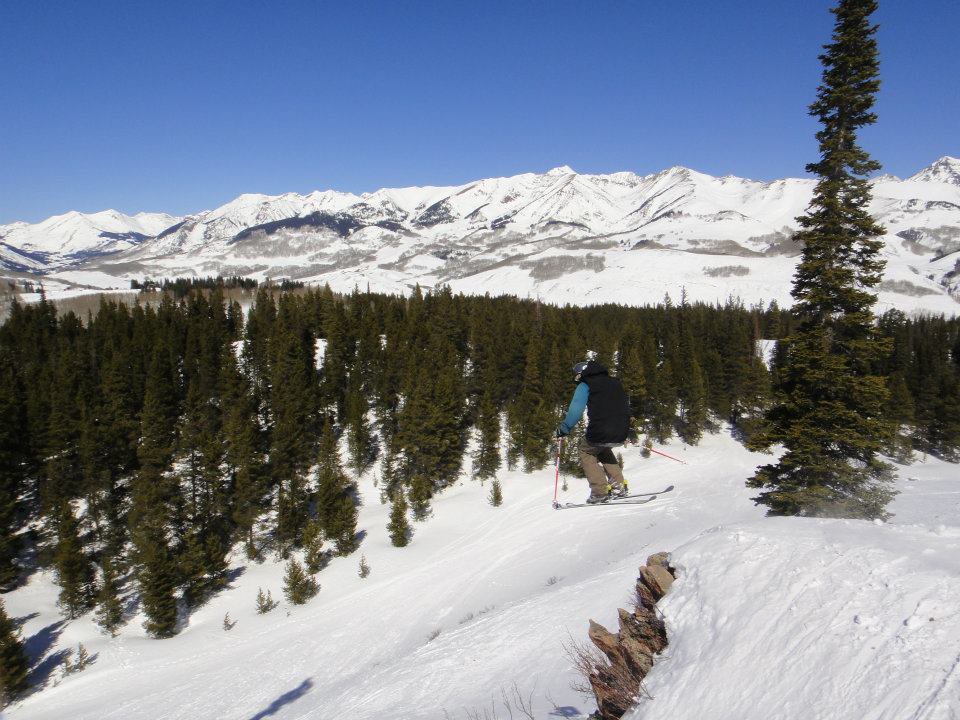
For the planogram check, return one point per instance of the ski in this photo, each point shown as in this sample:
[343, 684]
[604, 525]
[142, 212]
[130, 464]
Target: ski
[609, 503]
[644, 494]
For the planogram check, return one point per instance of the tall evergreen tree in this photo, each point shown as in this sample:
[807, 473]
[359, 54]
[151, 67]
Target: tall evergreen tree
[532, 416]
[830, 416]
[13, 442]
[153, 492]
[109, 615]
[158, 577]
[486, 459]
[75, 571]
[631, 373]
[336, 508]
[246, 465]
[14, 666]
[361, 443]
[691, 391]
[399, 527]
[292, 405]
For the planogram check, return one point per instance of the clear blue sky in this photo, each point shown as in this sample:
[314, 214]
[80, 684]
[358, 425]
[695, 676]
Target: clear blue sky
[180, 106]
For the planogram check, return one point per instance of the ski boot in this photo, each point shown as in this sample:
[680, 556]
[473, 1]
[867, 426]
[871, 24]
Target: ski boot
[618, 491]
[597, 499]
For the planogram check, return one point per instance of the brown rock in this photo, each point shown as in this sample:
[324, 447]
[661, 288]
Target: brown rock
[663, 576]
[648, 578]
[644, 627]
[645, 598]
[661, 558]
[606, 642]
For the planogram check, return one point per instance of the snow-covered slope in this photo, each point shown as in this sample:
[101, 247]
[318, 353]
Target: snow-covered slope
[62, 239]
[557, 235]
[813, 619]
[486, 598]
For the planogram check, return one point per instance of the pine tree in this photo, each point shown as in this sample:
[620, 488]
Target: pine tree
[662, 401]
[292, 406]
[342, 526]
[496, 494]
[631, 373]
[193, 570]
[109, 615]
[421, 490]
[298, 586]
[158, 580]
[265, 602]
[13, 442]
[153, 492]
[830, 416]
[336, 508]
[691, 392]
[486, 459]
[244, 458]
[75, 571]
[14, 666]
[361, 443]
[429, 441]
[399, 527]
[899, 410]
[364, 569]
[63, 468]
[532, 416]
[315, 556]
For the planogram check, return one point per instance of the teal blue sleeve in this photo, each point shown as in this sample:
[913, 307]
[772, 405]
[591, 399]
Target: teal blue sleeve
[577, 406]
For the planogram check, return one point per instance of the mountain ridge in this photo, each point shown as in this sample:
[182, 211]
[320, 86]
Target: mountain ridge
[558, 232]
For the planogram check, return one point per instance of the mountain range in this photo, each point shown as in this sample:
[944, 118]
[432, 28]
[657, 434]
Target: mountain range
[560, 235]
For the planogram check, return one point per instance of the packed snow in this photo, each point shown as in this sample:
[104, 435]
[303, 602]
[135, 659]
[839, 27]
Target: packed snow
[778, 618]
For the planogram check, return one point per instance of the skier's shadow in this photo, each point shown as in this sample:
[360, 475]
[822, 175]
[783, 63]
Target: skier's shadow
[566, 711]
[285, 699]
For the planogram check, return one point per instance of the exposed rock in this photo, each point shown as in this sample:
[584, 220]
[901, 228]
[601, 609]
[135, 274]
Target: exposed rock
[661, 558]
[652, 581]
[662, 576]
[630, 653]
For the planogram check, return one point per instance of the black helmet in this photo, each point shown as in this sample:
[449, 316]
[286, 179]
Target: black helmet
[578, 370]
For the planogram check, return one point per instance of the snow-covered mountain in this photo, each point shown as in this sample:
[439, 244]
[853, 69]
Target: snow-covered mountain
[73, 236]
[944, 170]
[558, 235]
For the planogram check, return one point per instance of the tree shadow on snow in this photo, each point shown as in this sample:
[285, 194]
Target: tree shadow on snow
[19, 622]
[234, 574]
[37, 647]
[285, 699]
[567, 711]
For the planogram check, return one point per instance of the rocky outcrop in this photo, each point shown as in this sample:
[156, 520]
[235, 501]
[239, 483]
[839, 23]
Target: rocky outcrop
[630, 652]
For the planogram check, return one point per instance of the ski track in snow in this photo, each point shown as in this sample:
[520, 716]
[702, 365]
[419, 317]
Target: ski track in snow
[769, 618]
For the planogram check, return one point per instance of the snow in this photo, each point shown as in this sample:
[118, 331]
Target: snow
[812, 619]
[487, 597]
[74, 234]
[655, 234]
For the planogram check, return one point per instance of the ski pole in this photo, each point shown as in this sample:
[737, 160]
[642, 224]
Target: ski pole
[556, 481]
[684, 462]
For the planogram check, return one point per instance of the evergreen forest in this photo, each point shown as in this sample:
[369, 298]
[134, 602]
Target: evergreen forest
[142, 444]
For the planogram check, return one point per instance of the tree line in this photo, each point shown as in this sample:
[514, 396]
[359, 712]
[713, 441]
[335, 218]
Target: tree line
[140, 444]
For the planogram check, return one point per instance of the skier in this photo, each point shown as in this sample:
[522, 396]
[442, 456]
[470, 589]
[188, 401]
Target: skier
[608, 426]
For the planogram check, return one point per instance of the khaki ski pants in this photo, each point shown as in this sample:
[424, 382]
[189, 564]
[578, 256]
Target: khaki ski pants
[600, 465]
